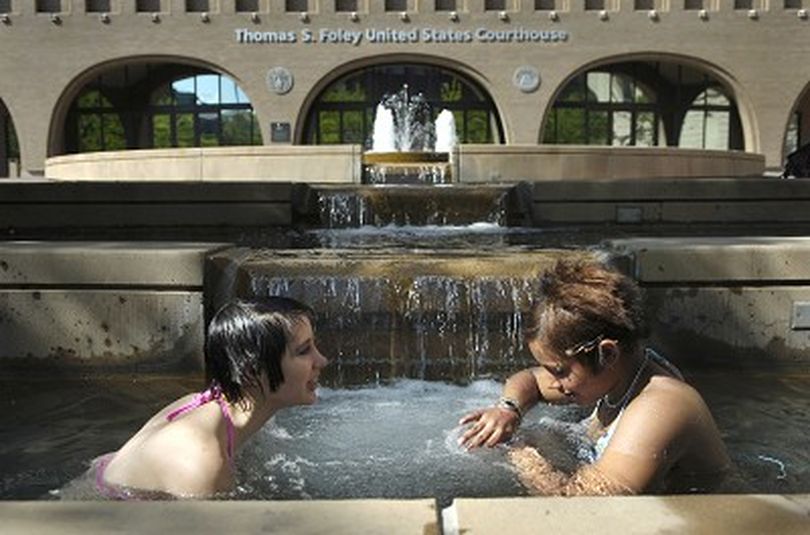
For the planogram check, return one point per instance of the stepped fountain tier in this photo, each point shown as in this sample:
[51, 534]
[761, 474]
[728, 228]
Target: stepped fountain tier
[450, 315]
[407, 168]
[404, 158]
[334, 206]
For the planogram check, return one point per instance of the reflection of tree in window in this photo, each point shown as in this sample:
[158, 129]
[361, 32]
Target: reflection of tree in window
[604, 107]
[200, 110]
[329, 127]
[205, 110]
[451, 91]
[345, 91]
[707, 124]
[344, 111]
[647, 104]
[100, 128]
[352, 127]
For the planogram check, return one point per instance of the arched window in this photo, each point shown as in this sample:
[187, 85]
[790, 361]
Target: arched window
[344, 111]
[708, 121]
[205, 110]
[159, 106]
[602, 107]
[644, 103]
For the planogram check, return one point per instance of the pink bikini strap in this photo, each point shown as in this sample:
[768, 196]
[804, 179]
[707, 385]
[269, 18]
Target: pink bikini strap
[213, 393]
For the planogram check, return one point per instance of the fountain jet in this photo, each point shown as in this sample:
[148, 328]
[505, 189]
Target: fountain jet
[406, 146]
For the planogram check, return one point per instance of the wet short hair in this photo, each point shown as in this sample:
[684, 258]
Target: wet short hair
[246, 339]
[581, 300]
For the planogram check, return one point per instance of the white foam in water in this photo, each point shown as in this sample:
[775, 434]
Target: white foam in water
[397, 441]
[482, 227]
[430, 237]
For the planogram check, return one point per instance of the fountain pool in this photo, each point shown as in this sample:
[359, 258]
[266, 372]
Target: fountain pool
[380, 440]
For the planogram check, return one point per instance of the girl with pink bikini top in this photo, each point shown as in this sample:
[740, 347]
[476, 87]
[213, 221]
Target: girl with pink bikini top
[260, 356]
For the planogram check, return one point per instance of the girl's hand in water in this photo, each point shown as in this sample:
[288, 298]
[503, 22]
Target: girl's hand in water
[489, 427]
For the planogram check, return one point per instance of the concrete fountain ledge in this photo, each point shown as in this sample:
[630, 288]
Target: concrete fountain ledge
[110, 303]
[131, 303]
[695, 514]
[475, 163]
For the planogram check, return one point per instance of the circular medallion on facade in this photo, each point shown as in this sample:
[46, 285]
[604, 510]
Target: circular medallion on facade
[526, 78]
[279, 80]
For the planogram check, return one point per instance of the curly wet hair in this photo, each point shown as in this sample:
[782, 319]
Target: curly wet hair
[581, 300]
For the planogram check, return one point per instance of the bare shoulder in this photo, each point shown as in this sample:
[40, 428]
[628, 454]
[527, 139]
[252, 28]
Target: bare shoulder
[657, 429]
[665, 390]
[189, 462]
[664, 401]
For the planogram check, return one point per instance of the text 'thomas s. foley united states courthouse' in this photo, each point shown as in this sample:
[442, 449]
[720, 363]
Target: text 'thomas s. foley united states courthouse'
[99, 75]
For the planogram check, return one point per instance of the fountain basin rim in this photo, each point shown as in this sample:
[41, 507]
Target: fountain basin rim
[405, 157]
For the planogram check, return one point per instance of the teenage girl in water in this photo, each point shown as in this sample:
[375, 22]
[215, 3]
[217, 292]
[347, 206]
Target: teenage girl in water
[260, 357]
[650, 431]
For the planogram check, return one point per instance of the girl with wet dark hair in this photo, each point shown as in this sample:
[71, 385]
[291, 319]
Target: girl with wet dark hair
[649, 430]
[260, 357]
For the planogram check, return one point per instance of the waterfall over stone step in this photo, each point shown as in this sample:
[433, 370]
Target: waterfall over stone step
[410, 205]
[450, 315]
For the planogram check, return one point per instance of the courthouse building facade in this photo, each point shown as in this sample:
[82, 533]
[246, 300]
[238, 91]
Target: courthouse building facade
[97, 75]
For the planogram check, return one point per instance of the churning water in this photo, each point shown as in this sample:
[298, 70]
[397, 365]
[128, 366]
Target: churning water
[394, 440]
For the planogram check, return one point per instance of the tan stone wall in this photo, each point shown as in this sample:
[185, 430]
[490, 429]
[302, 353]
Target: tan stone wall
[86, 303]
[711, 298]
[761, 60]
[495, 163]
[323, 163]
[343, 163]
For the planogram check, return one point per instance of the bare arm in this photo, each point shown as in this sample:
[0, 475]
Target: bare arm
[649, 439]
[653, 434]
[493, 425]
[523, 388]
[540, 477]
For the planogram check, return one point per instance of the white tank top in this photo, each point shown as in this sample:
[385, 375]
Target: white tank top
[602, 442]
